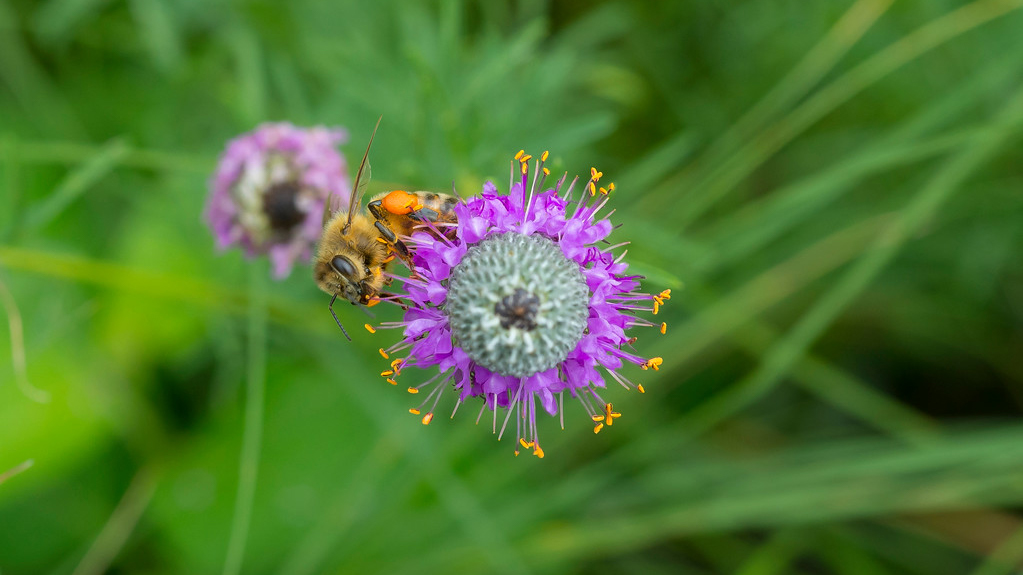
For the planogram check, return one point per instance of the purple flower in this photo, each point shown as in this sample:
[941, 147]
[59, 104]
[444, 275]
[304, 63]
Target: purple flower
[270, 188]
[520, 305]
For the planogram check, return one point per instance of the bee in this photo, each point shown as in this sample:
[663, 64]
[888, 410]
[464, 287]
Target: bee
[356, 245]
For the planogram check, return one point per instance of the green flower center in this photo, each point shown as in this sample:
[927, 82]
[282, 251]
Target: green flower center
[516, 304]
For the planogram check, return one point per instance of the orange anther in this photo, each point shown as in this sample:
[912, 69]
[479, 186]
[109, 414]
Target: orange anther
[538, 452]
[387, 373]
[640, 388]
[391, 381]
[369, 328]
[664, 328]
[413, 390]
[525, 168]
[427, 418]
[598, 428]
[543, 156]
[525, 158]
[414, 411]
[373, 302]
[525, 444]
[609, 414]
[520, 154]
[395, 363]
[384, 353]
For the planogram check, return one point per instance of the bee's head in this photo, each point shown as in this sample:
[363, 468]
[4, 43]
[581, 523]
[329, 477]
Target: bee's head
[340, 275]
[348, 278]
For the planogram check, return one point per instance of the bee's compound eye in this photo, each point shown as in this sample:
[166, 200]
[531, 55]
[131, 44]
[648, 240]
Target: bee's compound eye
[343, 266]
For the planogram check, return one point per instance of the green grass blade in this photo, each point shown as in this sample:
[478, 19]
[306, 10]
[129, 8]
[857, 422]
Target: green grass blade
[923, 206]
[77, 183]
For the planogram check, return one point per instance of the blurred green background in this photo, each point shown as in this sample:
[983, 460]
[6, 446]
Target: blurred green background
[833, 190]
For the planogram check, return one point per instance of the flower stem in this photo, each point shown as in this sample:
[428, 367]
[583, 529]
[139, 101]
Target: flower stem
[248, 465]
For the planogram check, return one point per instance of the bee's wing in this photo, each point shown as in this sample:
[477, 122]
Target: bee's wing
[333, 207]
[361, 178]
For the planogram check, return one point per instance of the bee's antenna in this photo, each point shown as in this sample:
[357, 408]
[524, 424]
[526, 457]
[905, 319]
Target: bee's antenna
[331, 308]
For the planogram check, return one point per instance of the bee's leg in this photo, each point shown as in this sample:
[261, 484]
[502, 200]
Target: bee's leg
[395, 298]
[376, 208]
[392, 240]
[425, 214]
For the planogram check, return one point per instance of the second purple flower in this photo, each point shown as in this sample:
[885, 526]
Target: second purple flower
[270, 188]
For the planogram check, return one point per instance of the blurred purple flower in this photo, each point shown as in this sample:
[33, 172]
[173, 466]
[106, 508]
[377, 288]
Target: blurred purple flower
[270, 188]
[521, 305]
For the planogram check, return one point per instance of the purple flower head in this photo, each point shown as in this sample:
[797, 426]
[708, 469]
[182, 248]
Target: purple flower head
[270, 188]
[520, 305]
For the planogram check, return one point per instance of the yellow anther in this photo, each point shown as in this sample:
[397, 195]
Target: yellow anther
[525, 158]
[396, 363]
[664, 328]
[597, 418]
[543, 156]
[603, 191]
[598, 427]
[610, 415]
[546, 172]
[389, 259]
[538, 452]
[593, 188]
[391, 381]
[520, 154]
[611, 187]
[525, 444]
[525, 168]
[373, 302]
[640, 388]
[369, 328]
[654, 362]
[414, 411]
[666, 294]
[384, 353]
[383, 241]
[516, 453]
[593, 173]
[413, 390]
[387, 373]
[657, 306]
[427, 418]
